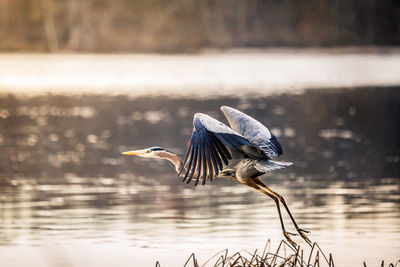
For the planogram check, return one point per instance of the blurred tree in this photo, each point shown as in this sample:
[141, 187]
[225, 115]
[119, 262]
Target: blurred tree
[49, 26]
[179, 26]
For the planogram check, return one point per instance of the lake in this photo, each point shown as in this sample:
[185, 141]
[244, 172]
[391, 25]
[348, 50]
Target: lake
[69, 198]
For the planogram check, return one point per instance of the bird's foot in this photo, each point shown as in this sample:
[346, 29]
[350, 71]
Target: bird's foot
[286, 234]
[290, 233]
[302, 230]
[303, 235]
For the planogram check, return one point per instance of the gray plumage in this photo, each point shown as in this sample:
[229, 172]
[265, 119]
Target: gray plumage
[214, 147]
[241, 152]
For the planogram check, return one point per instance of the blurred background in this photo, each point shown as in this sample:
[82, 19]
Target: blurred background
[182, 26]
[82, 81]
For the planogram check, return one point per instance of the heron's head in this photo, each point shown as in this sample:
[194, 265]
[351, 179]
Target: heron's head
[152, 152]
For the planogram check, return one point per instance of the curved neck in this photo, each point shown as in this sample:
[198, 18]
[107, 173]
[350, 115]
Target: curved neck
[174, 158]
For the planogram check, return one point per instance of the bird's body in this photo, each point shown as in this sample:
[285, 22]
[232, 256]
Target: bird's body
[241, 152]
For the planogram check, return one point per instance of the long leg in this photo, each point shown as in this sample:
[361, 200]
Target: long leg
[298, 229]
[252, 184]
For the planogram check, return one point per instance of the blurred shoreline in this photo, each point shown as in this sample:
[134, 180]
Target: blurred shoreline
[368, 49]
[243, 72]
[173, 26]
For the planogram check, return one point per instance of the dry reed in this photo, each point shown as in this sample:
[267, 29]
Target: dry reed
[285, 255]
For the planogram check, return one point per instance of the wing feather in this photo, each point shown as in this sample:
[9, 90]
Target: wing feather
[186, 158]
[199, 163]
[193, 169]
[210, 148]
[218, 146]
[190, 161]
[211, 161]
[209, 145]
[204, 167]
[254, 131]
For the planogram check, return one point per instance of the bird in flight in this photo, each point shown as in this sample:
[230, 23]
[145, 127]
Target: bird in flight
[241, 152]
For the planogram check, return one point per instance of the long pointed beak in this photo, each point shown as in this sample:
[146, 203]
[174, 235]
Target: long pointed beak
[135, 152]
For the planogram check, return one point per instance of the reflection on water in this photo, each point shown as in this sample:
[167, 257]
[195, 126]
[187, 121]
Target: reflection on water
[68, 192]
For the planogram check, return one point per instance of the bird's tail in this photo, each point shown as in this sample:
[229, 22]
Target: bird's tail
[270, 165]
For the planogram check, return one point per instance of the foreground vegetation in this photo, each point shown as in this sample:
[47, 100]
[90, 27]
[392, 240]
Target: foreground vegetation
[284, 255]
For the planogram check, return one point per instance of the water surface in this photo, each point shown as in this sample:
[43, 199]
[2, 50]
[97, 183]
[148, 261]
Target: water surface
[70, 199]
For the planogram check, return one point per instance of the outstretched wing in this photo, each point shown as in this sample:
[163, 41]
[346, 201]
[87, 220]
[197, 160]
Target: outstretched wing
[210, 148]
[254, 131]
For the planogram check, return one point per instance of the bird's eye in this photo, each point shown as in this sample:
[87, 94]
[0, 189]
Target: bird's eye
[148, 151]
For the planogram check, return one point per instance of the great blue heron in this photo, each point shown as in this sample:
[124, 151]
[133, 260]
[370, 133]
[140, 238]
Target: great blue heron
[242, 152]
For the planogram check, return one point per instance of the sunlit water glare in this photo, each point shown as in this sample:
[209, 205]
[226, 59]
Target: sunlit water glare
[199, 75]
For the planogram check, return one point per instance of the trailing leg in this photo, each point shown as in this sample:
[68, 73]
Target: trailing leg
[282, 200]
[276, 200]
